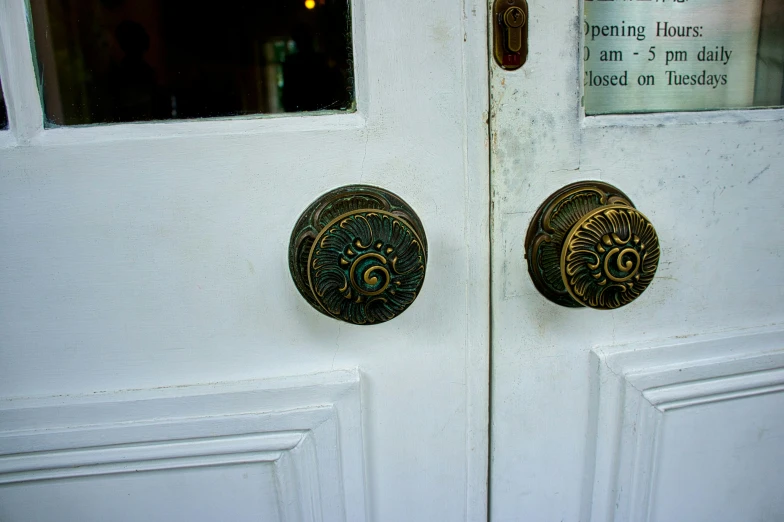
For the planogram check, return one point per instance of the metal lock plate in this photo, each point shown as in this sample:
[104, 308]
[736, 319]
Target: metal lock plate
[510, 39]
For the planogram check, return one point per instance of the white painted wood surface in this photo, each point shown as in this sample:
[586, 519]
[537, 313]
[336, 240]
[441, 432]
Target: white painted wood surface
[712, 185]
[688, 429]
[298, 441]
[145, 256]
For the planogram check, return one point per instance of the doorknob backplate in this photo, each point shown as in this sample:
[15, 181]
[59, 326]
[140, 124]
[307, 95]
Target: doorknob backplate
[588, 245]
[358, 253]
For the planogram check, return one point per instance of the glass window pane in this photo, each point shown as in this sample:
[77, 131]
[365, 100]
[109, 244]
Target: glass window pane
[3, 111]
[102, 61]
[678, 55]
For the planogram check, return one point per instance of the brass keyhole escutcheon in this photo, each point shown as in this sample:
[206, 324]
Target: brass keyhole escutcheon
[358, 254]
[510, 39]
[514, 17]
[588, 245]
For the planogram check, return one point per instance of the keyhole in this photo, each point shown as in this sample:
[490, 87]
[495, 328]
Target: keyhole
[510, 32]
[514, 17]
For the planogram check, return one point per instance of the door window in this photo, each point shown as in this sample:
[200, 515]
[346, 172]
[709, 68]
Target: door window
[676, 55]
[102, 61]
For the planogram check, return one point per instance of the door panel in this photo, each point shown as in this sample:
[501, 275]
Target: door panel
[145, 256]
[745, 437]
[710, 183]
[168, 495]
[686, 429]
[277, 449]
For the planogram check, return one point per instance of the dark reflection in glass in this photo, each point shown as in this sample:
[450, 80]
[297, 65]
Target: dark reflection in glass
[103, 61]
[769, 78]
[3, 111]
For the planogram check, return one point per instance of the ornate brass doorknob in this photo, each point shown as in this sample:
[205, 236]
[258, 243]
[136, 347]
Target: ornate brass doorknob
[588, 245]
[358, 254]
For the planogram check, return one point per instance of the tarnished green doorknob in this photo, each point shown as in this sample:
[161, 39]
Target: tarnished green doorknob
[588, 245]
[358, 254]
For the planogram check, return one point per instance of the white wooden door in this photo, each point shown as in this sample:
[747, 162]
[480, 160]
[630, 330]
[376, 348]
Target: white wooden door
[156, 359]
[670, 408]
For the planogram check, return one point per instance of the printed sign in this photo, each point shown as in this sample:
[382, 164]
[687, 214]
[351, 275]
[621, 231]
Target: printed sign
[669, 55]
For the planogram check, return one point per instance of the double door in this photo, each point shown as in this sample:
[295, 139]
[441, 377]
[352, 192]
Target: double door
[170, 351]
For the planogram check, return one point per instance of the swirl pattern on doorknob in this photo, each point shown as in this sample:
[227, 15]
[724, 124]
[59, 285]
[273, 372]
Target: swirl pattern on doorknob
[359, 254]
[610, 257]
[588, 246]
